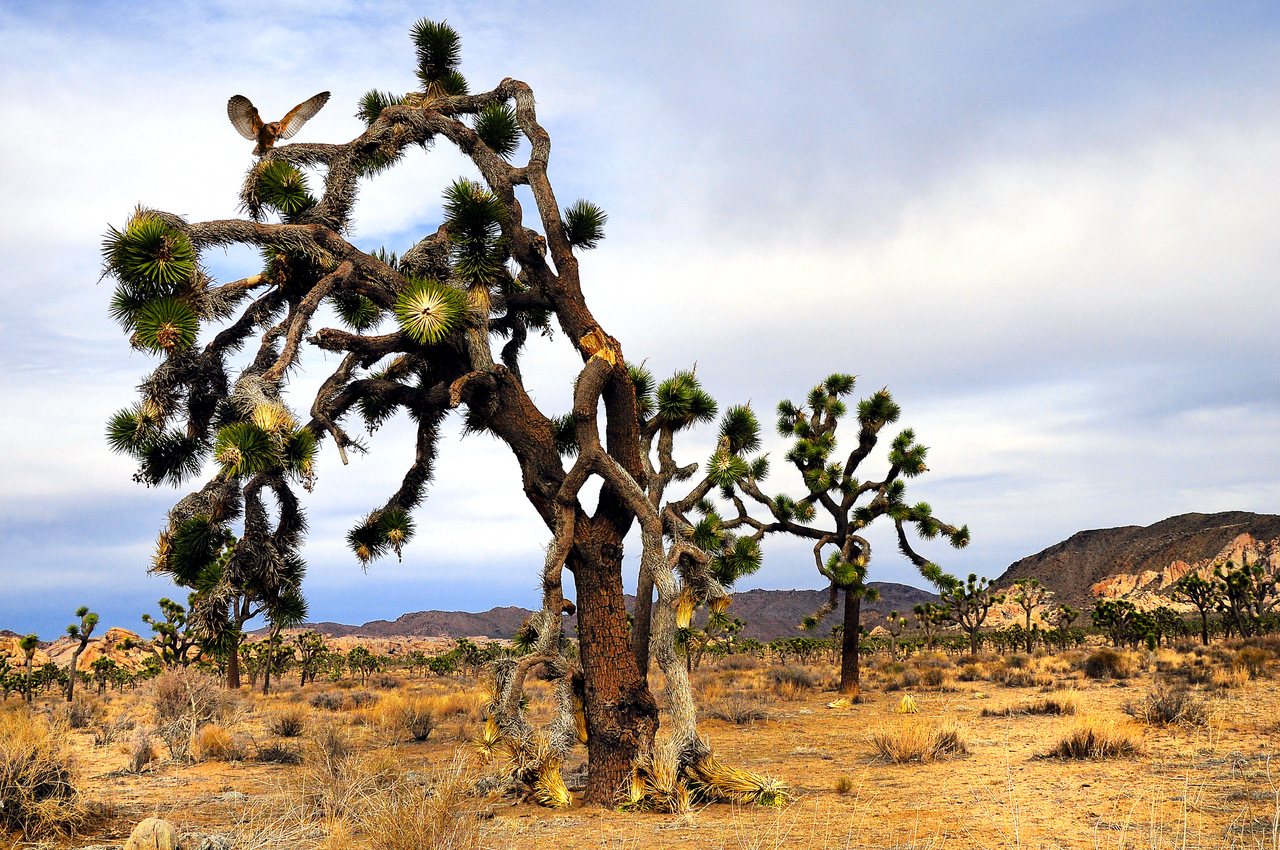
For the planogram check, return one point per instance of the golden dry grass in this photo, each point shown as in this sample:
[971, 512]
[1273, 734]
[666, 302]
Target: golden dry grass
[1203, 785]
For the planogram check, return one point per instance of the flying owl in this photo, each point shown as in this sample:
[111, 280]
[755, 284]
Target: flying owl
[244, 117]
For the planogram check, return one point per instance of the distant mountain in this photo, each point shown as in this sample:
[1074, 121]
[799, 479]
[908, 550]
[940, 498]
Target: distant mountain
[1133, 560]
[769, 615]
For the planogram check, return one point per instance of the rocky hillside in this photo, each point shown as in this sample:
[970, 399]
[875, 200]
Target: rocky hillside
[769, 614]
[1142, 563]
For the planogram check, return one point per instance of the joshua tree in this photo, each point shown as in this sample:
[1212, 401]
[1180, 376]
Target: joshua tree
[1030, 594]
[969, 603]
[929, 617]
[1203, 594]
[175, 635]
[849, 503]
[895, 626]
[28, 646]
[311, 649]
[88, 620]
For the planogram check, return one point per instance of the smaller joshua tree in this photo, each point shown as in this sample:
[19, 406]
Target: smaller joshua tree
[28, 646]
[1030, 594]
[81, 632]
[929, 617]
[970, 603]
[847, 503]
[1203, 594]
[895, 626]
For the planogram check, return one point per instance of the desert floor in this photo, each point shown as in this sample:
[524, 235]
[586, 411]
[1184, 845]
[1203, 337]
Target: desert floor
[1205, 780]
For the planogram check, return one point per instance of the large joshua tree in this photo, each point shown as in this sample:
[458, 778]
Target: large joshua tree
[461, 302]
[848, 502]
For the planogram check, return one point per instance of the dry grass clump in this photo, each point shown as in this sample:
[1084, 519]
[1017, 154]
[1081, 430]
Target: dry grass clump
[141, 751]
[183, 701]
[82, 713]
[1091, 739]
[400, 717]
[1252, 659]
[214, 743]
[915, 740]
[739, 662]
[1229, 679]
[792, 682]
[39, 784]
[385, 681]
[468, 704]
[1107, 663]
[274, 752]
[844, 785]
[1167, 705]
[442, 816]
[328, 701]
[739, 710]
[289, 722]
[1062, 702]
[335, 781]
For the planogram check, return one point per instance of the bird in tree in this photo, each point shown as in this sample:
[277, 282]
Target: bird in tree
[849, 503]
[438, 329]
[244, 117]
[80, 631]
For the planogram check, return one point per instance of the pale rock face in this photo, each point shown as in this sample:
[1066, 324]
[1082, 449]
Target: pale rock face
[1151, 589]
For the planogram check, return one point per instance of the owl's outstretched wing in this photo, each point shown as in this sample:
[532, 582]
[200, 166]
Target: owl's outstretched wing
[244, 117]
[300, 114]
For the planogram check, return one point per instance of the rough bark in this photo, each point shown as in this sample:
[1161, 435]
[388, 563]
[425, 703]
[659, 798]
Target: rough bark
[849, 659]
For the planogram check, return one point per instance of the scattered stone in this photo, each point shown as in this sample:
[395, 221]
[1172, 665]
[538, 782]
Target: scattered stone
[201, 841]
[153, 834]
[233, 797]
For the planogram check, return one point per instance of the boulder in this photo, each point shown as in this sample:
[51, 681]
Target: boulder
[153, 834]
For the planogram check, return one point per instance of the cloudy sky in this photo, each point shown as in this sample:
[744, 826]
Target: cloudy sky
[1052, 230]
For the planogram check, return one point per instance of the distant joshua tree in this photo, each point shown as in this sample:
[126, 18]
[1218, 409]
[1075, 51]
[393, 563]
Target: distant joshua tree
[969, 604]
[81, 632]
[28, 645]
[849, 503]
[1203, 594]
[1030, 594]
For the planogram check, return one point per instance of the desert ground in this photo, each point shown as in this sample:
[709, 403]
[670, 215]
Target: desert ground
[1086, 748]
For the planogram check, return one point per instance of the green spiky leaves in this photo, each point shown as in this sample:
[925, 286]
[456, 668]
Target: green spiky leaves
[372, 104]
[740, 428]
[428, 309]
[149, 258]
[642, 380]
[130, 430]
[385, 530]
[474, 216]
[282, 186]
[355, 310]
[243, 449]
[497, 127]
[165, 324]
[584, 225]
[682, 402]
[439, 51]
[726, 469]
[740, 556]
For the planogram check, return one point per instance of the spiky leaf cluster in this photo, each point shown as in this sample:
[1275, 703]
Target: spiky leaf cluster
[282, 186]
[682, 402]
[584, 224]
[379, 533]
[474, 216]
[428, 309]
[373, 102]
[497, 127]
[438, 48]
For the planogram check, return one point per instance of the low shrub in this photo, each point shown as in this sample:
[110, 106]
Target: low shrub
[39, 782]
[289, 722]
[1236, 677]
[844, 785]
[1107, 663]
[1253, 659]
[443, 815]
[933, 677]
[739, 662]
[1166, 705]
[328, 701]
[275, 752]
[739, 710]
[81, 713]
[793, 675]
[385, 681]
[916, 740]
[214, 743]
[406, 717]
[1092, 740]
[141, 751]
[971, 672]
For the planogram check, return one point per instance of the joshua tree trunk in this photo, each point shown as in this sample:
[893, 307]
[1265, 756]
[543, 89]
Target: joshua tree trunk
[271, 654]
[849, 660]
[622, 717]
